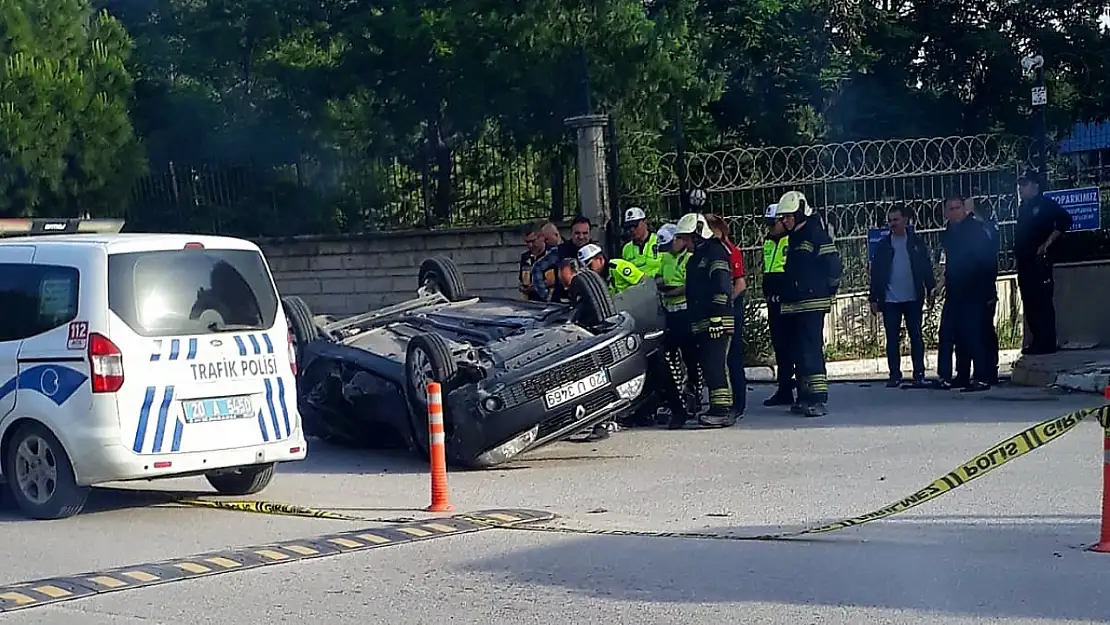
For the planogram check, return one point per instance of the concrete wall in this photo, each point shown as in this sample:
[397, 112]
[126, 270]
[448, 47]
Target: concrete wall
[1082, 292]
[350, 275]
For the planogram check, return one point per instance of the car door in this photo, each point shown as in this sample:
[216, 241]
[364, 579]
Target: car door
[14, 261]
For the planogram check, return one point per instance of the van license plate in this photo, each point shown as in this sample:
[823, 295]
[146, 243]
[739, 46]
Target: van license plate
[574, 390]
[218, 409]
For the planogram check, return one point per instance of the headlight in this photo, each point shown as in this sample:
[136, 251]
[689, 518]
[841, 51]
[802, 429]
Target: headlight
[492, 404]
[630, 342]
[632, 388]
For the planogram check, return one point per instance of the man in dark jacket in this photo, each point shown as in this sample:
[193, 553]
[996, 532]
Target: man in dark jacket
[1040, 222]
[901, 280]
[812, 279]
[969, 274]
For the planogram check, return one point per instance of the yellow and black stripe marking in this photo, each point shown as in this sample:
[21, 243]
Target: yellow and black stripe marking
[66, 588]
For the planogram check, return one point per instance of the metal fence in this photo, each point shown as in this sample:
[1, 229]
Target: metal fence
[468, 185]
[852, 186]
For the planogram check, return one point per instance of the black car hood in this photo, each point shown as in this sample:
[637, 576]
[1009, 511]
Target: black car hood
[530, 345]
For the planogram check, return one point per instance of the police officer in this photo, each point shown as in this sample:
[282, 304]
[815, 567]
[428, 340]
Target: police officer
[619, 273]
[680, 350]
[708, 298]
[812, 273]
[969, 275]
[1040, 222]
[641, 250]
[774, 263]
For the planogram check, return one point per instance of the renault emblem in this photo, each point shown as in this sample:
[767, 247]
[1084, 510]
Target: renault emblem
[579, 412]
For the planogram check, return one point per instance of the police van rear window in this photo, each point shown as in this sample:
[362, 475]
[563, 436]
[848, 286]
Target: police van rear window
[191, 291]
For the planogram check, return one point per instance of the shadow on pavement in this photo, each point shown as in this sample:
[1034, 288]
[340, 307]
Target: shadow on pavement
[106, 499]
[324, 457]
[1012, 568]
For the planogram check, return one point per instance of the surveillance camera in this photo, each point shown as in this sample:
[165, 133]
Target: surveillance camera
[1031, 63]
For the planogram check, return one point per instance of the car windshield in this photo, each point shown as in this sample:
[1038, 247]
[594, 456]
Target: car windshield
[191, 291]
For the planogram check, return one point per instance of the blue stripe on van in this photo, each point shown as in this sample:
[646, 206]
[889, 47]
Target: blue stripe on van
[144, 416]
[163, 414]
[269, 343]
[273, 409]
[157, 354]
[178, 430]
[242, 346]
[175, 348]
[192, 350]
[262, 427]
[255, 344]
[284, 407]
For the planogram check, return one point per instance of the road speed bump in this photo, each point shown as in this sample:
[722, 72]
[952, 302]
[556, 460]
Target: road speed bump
[53, 590]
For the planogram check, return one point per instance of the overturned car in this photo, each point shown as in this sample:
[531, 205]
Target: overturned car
[515, 375]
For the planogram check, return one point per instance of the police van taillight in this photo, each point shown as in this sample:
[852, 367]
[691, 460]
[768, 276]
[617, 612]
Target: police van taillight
[292, 352]
[106, 364]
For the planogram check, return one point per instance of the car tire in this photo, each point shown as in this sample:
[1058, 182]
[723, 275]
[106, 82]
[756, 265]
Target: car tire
[591, 296]
[441, 367]
[301, 322]
[67, 497]
[248, 480]
[441, 273]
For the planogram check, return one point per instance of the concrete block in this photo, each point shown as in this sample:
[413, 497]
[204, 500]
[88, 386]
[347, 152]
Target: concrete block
[478, 256]
[321, 263]
[300, 288]
[400, 259]
[406, 243]
[333, 248]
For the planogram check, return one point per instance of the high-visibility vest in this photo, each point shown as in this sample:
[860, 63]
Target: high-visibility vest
[774, 255]
[673, 272]
[622, 275]
[647, 260]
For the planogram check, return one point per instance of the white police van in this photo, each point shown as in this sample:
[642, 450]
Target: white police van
[138, 356]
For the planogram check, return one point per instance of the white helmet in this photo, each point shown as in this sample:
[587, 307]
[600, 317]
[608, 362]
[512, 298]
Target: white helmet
[587, 252]
[665, 236]
[694, 223]
[634, 215]
[772, 211]
[792, 203]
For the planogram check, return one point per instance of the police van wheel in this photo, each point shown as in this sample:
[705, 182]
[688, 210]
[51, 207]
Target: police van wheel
[40, 476]
[591, 296]
[428, 359]
[246, 480]
[440, 274]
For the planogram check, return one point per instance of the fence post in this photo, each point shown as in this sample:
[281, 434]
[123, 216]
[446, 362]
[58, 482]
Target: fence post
[592, 183]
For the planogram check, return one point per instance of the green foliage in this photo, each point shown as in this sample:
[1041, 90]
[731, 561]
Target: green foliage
[758, 349]
[66, 140]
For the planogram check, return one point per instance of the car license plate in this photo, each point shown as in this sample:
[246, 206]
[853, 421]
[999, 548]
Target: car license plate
[218, 409]
[574, 390]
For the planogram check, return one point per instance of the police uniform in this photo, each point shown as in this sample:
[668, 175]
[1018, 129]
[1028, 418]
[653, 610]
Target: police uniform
[774, 284]
[645, 255]
[969, 280]
[622, 274]
[679, 348]
[708, 295]
[812, 277]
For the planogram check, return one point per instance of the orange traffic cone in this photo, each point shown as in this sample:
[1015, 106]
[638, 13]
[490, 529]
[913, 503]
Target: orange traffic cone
[1103, 545]
[437, 450]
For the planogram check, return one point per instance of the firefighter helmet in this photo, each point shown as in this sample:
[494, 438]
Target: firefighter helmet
[792, 203]
[693, 223]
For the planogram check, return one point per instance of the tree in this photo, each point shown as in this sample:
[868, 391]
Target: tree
[66, 142]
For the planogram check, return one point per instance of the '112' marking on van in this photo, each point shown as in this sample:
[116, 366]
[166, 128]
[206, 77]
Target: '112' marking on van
[237, 368]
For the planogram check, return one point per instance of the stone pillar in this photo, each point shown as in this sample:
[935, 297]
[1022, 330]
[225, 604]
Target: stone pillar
[592, 179]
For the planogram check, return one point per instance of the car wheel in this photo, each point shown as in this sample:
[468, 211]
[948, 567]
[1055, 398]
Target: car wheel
[440, 274]
[247, 480]
[591, 297]
[428, 359]
[40, 476]
[301, 322]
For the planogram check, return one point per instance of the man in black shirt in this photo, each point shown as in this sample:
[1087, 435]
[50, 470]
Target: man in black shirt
[1040, 222]
[969, 276]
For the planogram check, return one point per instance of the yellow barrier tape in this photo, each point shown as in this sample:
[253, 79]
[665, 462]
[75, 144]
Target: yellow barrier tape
[1016, 446]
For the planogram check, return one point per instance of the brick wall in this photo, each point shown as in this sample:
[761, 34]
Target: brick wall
[349, 275]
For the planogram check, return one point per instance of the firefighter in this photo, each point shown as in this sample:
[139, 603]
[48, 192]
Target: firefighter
[619, 273]
[680, 350]
[641, 250]
[774, 263]
[812, 278]
[708, 297]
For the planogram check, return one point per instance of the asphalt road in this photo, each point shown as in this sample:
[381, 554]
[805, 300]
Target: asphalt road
[1008, 548]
